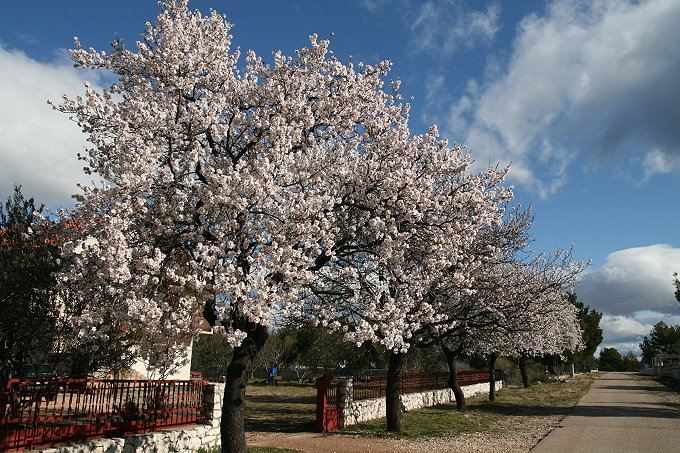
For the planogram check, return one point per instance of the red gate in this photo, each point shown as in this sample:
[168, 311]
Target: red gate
[327, 405]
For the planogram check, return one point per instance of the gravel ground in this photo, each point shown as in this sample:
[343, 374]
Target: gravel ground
[512, 434]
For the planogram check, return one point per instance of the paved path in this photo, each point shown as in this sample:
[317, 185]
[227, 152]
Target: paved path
[620, 413]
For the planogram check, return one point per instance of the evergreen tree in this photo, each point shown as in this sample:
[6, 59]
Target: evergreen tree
[29, 324]
[610, 360]
[592, 334]
[663, 339]
[630, 362]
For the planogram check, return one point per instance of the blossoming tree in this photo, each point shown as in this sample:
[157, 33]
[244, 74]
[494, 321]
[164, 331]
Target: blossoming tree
[531, 314]
[412, 223]
[221, 184]
[516, 308]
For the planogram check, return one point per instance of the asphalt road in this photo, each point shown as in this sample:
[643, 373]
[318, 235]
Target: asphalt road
[620, 413]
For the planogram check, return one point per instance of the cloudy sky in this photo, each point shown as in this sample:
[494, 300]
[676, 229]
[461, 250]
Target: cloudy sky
[581, 97]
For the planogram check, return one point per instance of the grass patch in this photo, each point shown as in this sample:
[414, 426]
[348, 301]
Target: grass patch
[289, 407]
[482, 415]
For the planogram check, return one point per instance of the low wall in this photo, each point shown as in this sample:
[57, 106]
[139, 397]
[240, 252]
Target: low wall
[353, 412]
[173, 440]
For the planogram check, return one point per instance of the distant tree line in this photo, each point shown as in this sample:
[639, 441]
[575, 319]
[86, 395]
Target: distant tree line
[612, 360]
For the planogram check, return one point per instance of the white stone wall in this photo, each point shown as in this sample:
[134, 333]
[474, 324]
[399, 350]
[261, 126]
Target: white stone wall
[172, 440]
[353, 412]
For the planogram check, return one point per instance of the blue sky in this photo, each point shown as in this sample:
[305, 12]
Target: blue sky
[583, 97]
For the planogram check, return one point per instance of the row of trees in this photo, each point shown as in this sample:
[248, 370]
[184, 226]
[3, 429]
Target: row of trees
[294, 191]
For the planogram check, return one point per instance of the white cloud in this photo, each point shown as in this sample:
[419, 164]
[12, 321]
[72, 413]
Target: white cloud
[634, 290]
[657, 162]
[38, 146]
[440, 28]
[652, 317]
[443, 27]
[633, 280]
[599, 76]
[620, 328]
[623, 348]
[625, 333]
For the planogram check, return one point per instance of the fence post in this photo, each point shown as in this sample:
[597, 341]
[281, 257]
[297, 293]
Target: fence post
[213, 393]
[345, 397]
[321, 403]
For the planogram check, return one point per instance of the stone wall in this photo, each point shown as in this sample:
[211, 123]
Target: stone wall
[172, 440]
[353, 412]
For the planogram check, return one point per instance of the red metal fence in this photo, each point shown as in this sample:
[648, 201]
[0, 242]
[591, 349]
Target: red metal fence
[375, 386]
[51, 411]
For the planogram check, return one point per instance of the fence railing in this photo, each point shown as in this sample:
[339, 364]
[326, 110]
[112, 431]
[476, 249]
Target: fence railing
[48, 411]
[666, 370]
[375, 386]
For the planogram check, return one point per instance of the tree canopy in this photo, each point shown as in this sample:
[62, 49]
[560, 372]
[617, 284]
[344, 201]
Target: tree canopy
[662, 339]
[32, 301]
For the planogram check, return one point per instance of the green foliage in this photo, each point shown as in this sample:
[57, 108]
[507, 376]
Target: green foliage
[663, 339]
[29, 325]
[280, 349]
[210, 355]
[592, 334]
[424, 360]
[630, 362]
[34, 326]
[677, 287]
[536, 370]
[611, 360]
[306, 347]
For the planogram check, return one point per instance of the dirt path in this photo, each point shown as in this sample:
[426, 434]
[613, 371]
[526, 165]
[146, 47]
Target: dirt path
[331, 443]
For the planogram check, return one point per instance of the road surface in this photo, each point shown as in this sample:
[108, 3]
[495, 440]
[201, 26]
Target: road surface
[620, 413]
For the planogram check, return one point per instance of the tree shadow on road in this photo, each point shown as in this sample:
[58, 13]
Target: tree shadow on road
[662, 411]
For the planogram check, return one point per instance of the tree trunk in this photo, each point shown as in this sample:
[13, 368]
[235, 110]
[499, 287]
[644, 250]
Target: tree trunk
[523, 370]
[231, 427]
[453, 378]
[393, 405]
[492, 377]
